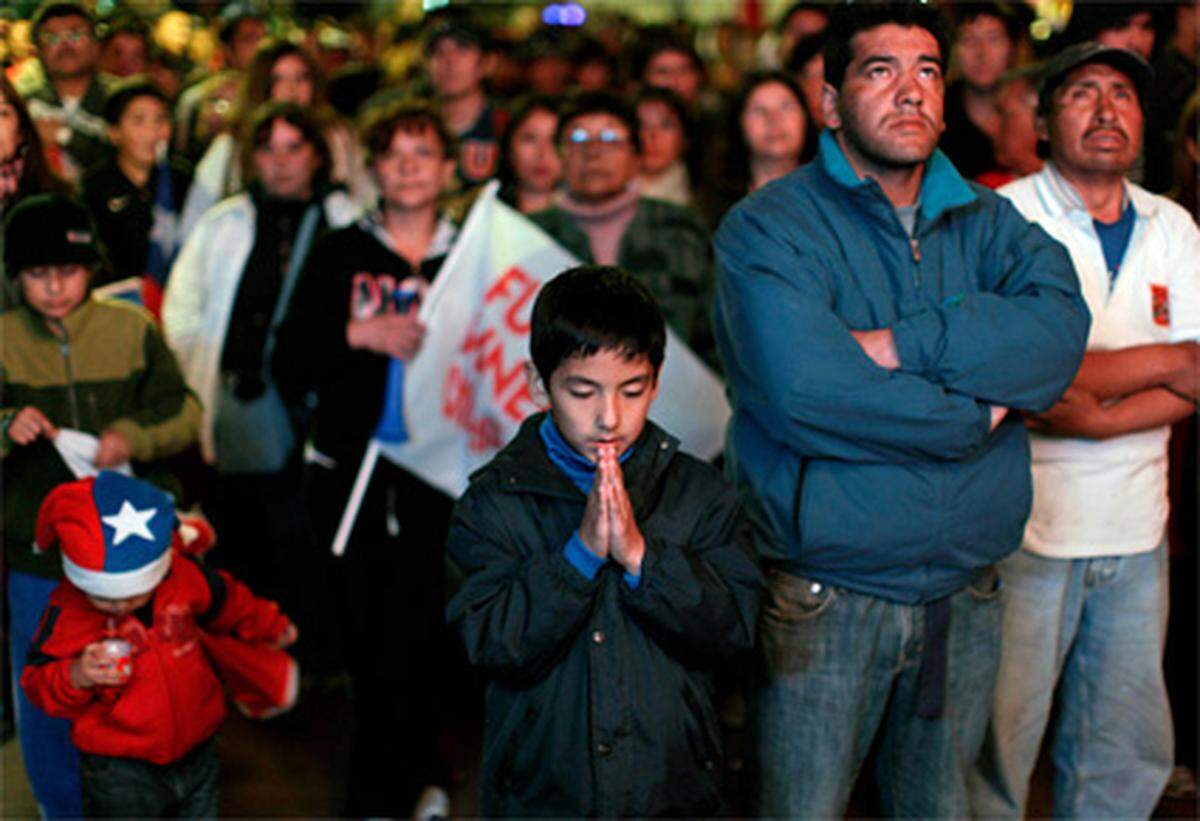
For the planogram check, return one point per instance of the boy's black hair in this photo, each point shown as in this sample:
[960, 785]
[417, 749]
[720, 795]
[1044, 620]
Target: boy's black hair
[592, 308]
[126, 91]
[598, 102]
[848, 20]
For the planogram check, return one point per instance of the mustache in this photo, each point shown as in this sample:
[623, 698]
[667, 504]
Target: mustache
[909, 115]
[1106, 129]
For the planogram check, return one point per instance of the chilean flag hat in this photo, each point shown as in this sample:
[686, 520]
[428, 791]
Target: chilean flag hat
[114, 533]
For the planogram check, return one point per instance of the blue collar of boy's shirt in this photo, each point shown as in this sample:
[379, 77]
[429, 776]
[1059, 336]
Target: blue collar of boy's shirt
[942, 187]
[577, 467]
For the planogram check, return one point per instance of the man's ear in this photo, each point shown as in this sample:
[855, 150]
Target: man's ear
[537, 388]
[1041, 127]
[829, 106]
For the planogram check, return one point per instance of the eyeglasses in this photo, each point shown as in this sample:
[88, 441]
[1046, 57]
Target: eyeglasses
[51, 39]
[606, 138]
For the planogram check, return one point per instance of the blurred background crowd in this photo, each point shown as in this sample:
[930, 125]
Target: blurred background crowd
[153, 113]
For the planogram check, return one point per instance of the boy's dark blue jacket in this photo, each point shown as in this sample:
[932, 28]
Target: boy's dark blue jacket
[888, 482]
[599, 697]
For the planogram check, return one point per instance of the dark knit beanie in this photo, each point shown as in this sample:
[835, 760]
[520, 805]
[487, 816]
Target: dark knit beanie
[48, 229]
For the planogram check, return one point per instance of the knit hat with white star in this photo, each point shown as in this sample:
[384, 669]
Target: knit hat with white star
[114, 532]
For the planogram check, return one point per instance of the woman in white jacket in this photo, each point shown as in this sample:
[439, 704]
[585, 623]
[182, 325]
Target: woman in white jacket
[228, 290]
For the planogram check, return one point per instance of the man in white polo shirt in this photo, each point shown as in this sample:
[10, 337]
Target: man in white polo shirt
[1085, 605]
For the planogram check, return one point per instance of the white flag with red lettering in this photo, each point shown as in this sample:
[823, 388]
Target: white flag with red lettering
[465, 393]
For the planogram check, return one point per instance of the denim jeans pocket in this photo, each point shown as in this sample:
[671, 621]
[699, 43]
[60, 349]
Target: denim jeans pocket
[792, 608]
[986, 586]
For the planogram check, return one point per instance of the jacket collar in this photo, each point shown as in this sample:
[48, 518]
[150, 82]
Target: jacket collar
[73, 323]
[942, 187]
[1061, 198]
[444, 233]
[523, 465]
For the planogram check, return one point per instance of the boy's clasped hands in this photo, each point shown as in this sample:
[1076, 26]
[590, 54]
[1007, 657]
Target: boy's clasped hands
[609, 528]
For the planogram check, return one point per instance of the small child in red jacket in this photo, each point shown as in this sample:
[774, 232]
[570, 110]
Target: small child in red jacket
[121, 650]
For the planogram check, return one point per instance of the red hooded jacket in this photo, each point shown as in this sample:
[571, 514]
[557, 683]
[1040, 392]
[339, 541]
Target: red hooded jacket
[173, 699]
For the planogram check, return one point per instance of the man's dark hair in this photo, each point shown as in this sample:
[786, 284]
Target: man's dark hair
[125, 24]
[121, 94]
[964, 13]
[594, 308]
[819, 6]
[1088, 20]
[655, 40]
[599, 102]
[300, 118]
[410, 114]
[848, 20]
[589, 49]
[59, 8]
[232, 17]
[804, 50]
[458, 24]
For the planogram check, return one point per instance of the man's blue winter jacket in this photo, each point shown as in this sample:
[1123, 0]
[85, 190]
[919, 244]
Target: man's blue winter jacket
[888, 482]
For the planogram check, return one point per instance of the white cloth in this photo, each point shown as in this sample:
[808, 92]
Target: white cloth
[1107, 498]
[78, 451]
[203, 285]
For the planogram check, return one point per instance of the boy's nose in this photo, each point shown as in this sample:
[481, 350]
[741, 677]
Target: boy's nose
[610, 415]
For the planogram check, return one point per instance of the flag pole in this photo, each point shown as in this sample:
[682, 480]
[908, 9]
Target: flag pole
[356, 496]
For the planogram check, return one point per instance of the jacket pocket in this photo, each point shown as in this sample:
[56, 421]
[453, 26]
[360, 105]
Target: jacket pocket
[701, 729]
[506, 778]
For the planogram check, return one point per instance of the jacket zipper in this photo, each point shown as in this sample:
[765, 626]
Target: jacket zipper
[64, 348]
[916, 255]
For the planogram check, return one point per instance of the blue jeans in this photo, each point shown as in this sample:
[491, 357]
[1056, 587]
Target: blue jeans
[839, 669]
[51, 760]
[1095, 629]
[129, 788]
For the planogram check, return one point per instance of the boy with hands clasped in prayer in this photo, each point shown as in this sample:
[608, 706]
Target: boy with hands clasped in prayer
[606, 576]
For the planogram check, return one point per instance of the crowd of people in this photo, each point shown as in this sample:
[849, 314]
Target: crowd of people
[948, 272]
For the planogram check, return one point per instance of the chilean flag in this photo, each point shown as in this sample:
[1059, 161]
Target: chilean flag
[164, 238]
[114, 533]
